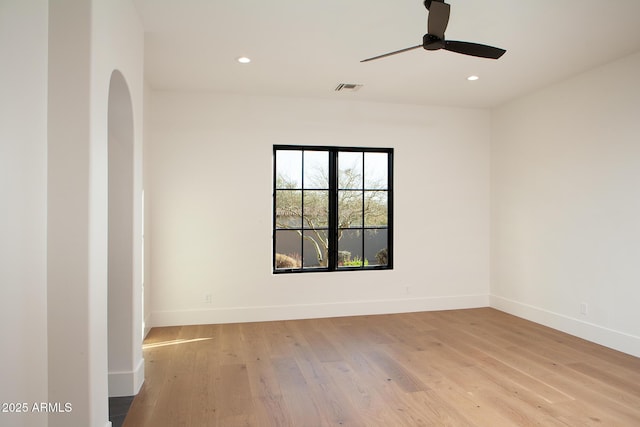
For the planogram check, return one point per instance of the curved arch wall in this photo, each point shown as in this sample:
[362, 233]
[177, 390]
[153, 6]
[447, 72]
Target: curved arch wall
[125, 369]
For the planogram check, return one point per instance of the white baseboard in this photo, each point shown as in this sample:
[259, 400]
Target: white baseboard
[126, 383]
[616, 340]
[311, 311]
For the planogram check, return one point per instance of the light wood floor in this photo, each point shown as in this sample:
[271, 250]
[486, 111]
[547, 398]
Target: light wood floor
[477, 367]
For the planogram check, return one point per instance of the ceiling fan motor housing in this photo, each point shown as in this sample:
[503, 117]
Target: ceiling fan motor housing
[427, 3]
[431, 42]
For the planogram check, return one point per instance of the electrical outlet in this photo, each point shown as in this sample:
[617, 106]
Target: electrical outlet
[584, 308]
[208, 299]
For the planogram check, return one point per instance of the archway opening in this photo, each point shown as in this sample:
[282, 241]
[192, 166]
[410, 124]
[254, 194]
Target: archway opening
[122, 329]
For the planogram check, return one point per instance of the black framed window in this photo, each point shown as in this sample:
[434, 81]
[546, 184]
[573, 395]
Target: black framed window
[332, 208]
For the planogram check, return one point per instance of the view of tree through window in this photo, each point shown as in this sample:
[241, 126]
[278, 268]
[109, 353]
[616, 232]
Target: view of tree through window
[332, 208]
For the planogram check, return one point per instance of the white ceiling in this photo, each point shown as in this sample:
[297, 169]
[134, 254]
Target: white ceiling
[304, 48]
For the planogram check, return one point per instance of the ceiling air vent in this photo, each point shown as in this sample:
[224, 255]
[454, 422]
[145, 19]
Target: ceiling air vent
[347, 87]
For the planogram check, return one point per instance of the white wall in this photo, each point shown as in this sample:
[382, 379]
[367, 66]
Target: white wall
[68, 254]
[88, 40]
[565, 182]
[146, 277]
[23, 200]
[210, 160]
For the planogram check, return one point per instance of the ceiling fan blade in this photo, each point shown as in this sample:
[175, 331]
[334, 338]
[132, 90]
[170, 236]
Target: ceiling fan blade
[391, 53]
[473, 49]
[438, 19]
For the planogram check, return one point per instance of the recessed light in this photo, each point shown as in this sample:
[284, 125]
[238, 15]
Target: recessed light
[472, 78]
[243, 60]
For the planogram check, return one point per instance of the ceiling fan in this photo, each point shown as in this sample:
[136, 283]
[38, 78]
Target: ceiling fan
[434, 39]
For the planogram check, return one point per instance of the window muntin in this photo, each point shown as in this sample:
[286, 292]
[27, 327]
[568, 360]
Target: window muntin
[332, 208]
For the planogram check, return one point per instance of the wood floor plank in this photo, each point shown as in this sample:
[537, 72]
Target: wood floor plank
[204, 393]
[473, 408]
[435, 410]
[234, 391]
[511, 373]
[366, 400]
[396, 373]
[321, 346]
[301, 407]
[476, 368]
[609, 379]
[520, 408]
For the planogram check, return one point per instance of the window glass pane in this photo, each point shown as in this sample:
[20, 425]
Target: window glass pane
[316, 169]
[315, 249]
[350, 249]
[288, 169]
[375, 170]
[375, 209]
[349, 170]
[288, 249]
[288, 208]
[375, 247]
[349, 209]
[316, 209]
